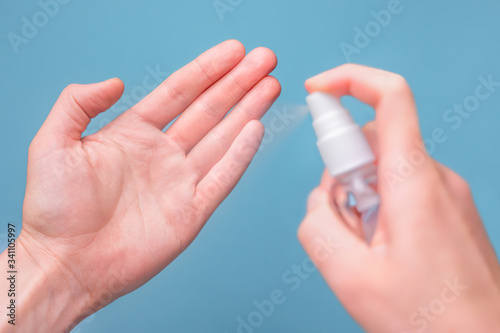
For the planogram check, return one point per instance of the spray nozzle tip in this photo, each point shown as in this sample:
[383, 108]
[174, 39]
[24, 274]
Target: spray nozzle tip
[322, 103]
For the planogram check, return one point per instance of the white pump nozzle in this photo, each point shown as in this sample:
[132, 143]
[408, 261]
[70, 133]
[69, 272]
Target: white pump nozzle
[341, 142]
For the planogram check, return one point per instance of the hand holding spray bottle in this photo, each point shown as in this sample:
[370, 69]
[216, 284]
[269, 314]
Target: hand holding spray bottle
[348, 158]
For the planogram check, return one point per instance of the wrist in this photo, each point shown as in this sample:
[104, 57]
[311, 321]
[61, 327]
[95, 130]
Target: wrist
[47, 298]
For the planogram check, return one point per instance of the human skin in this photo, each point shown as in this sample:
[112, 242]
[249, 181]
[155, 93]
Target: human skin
[430, 266]
[105, 213]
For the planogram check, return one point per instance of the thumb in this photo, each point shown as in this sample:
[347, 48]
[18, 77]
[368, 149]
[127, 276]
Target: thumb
[328, 240]
[78, 104]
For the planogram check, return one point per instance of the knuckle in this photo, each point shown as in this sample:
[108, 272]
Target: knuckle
[432, 178]
[303, 232]
[173, 91]
[398, 84]
[32, 149]
[234, 168]
[306, 233]
[70, 95]
[237, 83]
[208, 109]
[70, 89]
[457, 185]
[462, 187]
[220, 140]
[205, 70]
[222, 179]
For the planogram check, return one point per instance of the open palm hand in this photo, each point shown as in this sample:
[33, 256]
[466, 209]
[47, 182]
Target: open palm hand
[116, 207]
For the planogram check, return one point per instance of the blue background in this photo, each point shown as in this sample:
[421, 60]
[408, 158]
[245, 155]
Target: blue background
[441, 47]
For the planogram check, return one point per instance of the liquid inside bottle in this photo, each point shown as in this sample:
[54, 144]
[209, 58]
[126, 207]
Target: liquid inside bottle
[356, 199]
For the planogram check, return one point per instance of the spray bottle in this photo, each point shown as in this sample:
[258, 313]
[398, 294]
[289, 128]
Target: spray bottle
[349, 159]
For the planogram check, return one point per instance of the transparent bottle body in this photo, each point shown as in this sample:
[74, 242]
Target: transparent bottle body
[356, 198]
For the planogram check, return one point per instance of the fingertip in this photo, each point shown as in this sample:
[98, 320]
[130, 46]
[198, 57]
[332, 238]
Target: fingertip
[250, 137]
[272, 86]
[234, 47]
[234, 43]
[112, 89]
[315, 83]
[221, 58]
[256, 128]
[276, 84]
[307, 86]
[118, 83]
[266, 56]
[270, 54]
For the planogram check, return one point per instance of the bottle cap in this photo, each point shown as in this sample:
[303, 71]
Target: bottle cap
[341, 142]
